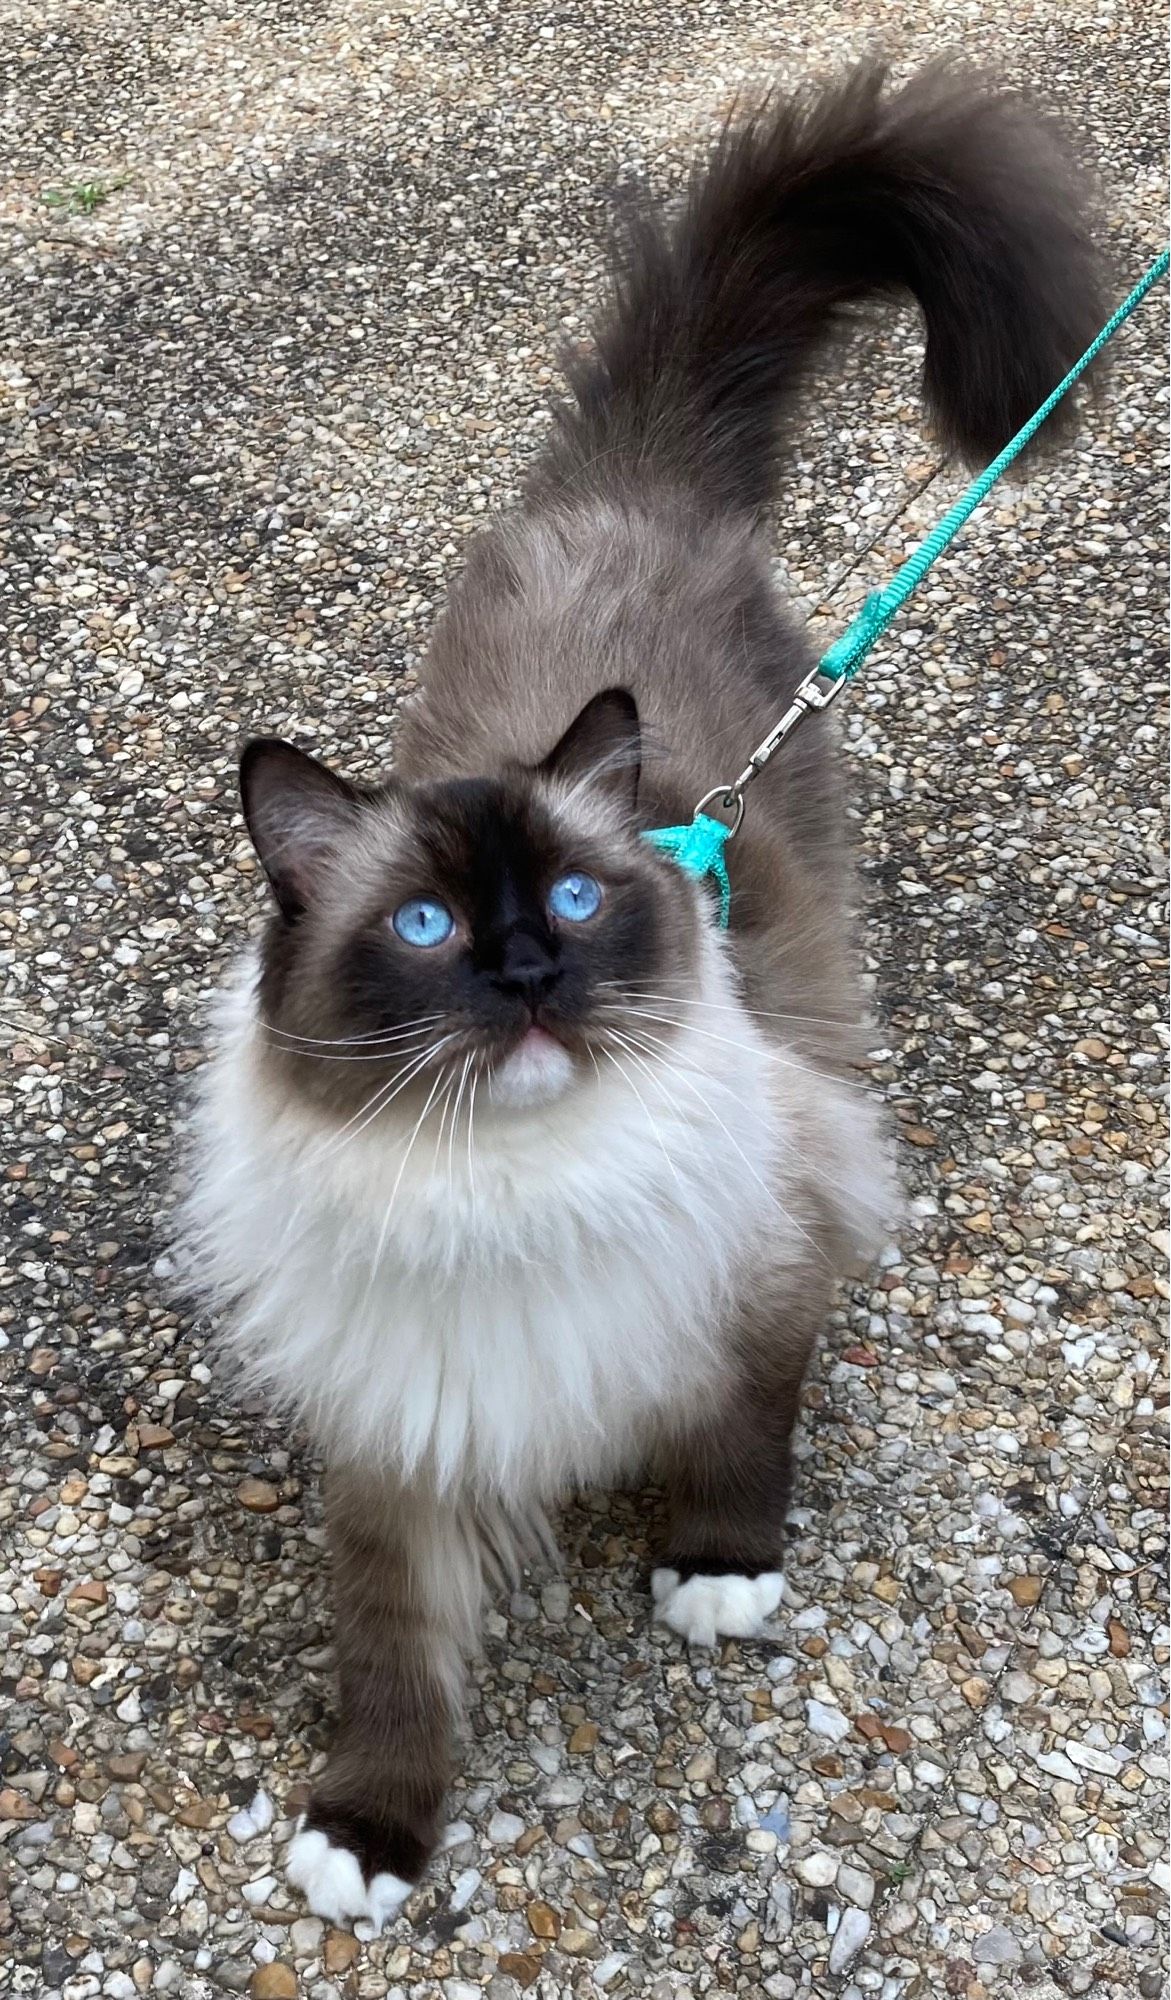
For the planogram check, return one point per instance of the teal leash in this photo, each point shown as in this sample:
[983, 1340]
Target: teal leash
[846, 655]
[698, 847]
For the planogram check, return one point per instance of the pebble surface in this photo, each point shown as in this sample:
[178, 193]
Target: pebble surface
[253, 396]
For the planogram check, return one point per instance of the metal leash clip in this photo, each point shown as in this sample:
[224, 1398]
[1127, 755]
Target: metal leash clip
[815, 692]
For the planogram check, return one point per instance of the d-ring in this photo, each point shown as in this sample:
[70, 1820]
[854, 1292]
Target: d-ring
[730, 799]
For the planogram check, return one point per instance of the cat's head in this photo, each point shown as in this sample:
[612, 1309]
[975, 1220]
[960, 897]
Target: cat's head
[509, 928]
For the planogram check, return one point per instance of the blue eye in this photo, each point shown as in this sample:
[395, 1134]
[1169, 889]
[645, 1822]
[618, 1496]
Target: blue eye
[424, 922]
[574, 898]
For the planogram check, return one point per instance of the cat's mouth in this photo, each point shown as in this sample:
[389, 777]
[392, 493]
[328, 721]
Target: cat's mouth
[537, 1069]
[537, 1037]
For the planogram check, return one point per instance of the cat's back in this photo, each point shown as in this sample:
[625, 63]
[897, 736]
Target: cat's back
[649, 594]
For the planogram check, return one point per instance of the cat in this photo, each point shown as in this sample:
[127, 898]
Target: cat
[513, 1170]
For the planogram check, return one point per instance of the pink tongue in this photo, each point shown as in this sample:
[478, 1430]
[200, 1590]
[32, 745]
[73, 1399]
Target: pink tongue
[538, 1038]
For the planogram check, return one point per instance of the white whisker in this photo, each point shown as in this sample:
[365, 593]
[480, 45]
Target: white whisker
[444, 1108]
[382, 1055]
[725, 1007]
[368, 1039]
[690, 1028]
[656, 1045]
[677, 1072]
[381, 1243]
[471, 1116]
[377, 1103]
[459, 1098]
[650, 1118]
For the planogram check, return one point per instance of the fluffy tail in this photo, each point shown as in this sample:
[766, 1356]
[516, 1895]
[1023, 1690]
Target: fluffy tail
[948, 189]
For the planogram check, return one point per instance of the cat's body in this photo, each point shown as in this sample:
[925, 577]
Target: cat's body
[515, 1169]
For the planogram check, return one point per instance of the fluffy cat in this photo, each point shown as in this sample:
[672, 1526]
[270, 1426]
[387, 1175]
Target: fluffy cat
[513, 1170]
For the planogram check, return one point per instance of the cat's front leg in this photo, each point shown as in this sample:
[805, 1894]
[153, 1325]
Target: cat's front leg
[407, 1587]
[729, 1475]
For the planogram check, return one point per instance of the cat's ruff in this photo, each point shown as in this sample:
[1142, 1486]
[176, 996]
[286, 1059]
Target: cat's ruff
[512, 1322]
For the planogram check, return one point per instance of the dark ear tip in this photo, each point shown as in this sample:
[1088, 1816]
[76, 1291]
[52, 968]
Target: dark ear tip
[253, 753]
[620, 698]
[256, 747]
[602, 743]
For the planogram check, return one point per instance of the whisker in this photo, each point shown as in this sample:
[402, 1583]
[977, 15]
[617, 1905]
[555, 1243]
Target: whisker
[459, 1098]
[445, 1107]
[419, 1123]
[378, 1102]
[471, 1116]
[650, 1118]
[386, 1054]
[653, 1045]
[734, 1143]
[690, 1028]
[722, 1007]
[370, 1036]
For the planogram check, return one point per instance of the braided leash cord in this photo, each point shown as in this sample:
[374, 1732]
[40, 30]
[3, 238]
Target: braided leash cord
[845, 656]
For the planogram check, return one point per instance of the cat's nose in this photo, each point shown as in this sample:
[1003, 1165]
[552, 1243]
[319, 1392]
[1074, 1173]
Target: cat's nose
[527, 971]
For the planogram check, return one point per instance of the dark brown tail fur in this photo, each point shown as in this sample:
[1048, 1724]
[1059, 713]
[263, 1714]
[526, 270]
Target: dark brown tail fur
[948, 188]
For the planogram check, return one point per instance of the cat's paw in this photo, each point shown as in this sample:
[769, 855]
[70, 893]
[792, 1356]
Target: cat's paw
[333, 1884]
[706, 1608]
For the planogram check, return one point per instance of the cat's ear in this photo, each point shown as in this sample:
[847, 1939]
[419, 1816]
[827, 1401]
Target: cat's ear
[298, 815]
[602, 746]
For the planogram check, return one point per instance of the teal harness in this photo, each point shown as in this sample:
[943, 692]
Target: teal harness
[698, 847]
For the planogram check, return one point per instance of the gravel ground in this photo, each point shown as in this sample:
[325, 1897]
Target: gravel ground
[250, 404]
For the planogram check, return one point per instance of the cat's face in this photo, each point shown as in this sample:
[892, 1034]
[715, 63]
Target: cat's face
[503, 929]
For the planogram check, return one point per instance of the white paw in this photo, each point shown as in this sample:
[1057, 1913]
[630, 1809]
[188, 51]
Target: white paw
[333, 1885]
[706, 1607]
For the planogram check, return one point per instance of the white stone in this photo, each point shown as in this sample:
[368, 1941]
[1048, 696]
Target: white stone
[1102, 1849]
[465, 1886]
[997, 1947]
[826, 1721]
[1056, 1766]
[186, 1883]
[849, 1938]
[1093, 1760]
[817, 1869]
[259, 1891]
[505, 1829]
[562, 1792]
[253, 1819]
[855, 1885]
